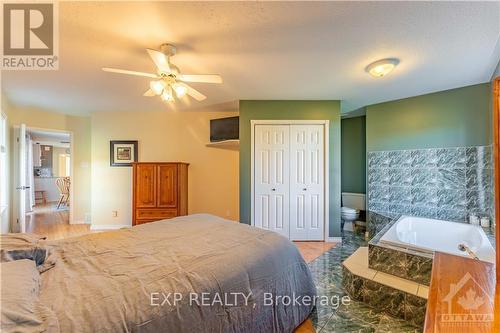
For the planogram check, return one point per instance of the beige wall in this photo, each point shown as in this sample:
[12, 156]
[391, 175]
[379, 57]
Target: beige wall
[80, 127]
[5, 216]
[56, 153]
[162, 136]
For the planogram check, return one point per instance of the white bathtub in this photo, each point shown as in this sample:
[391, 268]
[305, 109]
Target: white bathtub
[430, 235]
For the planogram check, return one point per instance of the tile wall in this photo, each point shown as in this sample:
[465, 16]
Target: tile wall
[442, 183]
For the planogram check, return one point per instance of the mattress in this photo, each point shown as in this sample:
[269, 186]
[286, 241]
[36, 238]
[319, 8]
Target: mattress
[196, 273]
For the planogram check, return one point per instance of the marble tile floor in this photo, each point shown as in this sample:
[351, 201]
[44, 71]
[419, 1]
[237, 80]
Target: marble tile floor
[352, 317]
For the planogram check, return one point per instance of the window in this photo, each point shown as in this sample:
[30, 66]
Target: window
[3, 163]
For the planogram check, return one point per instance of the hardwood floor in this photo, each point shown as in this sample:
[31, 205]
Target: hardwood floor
[46, 220]
[310, 251]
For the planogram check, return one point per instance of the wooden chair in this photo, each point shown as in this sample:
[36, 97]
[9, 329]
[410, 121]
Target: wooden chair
[40, 196]
[63, 185]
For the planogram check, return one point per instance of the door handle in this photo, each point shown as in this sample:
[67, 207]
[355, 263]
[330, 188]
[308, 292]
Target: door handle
[273, 189]
[22, 188]
[304, 189]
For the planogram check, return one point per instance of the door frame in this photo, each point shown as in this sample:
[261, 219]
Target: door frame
[326, 138]
[72, 168]
[496, 163]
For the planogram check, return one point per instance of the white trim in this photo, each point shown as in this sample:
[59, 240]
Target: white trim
[327, 179]
[326, 124]
[73, 178]
[334, 240]
[108, 226]
[72, 165]
[288, 122]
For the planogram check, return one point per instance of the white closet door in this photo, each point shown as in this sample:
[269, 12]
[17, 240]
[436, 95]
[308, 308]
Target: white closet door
[271, 169]
[307, 192]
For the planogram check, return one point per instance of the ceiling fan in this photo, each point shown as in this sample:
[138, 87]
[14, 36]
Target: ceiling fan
[168, 78]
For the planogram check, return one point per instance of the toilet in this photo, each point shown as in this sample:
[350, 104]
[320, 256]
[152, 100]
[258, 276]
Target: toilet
[352, 203]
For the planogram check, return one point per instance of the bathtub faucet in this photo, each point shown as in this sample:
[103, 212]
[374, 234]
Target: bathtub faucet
[465, 248]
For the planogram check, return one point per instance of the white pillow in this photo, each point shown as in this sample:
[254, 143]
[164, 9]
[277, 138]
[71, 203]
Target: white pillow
[21, 309]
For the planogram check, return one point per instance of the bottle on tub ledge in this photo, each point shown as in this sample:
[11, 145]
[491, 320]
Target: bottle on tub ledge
[474, 219]
[485, 222]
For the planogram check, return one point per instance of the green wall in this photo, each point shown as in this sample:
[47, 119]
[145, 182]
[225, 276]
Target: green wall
[451, 118]
[291, 110]
[354, 155]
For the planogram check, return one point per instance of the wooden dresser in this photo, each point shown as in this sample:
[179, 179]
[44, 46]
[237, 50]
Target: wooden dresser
[160, 191]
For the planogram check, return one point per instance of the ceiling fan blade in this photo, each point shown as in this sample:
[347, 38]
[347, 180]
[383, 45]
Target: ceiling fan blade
[149, 93]
[204, 78]
[194, 93]
[160, 60]
[124, 71]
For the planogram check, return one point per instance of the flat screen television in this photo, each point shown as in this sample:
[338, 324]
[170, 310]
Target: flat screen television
[224, 129]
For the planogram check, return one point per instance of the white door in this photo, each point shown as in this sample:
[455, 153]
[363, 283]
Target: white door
[271, 172]
[307, 188]
[20, 181]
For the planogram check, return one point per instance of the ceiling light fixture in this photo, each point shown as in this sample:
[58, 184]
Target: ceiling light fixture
[382, 67]
[157, 86]
[167, 96]
[168, 79]
[180, 90]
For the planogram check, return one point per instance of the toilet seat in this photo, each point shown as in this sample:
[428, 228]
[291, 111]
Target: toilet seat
[348, 210]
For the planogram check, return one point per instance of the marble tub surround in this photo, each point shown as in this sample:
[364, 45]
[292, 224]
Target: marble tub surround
[395, 296]
[328, 275]
[377, 221]
[442, 183]
[403, 262]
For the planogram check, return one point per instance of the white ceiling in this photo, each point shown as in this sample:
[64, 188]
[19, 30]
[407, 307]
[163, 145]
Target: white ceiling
[49, 135]
[57, 139]
[263, 50]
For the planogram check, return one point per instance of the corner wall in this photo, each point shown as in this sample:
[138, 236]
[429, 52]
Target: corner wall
[176, 136]
[430, 156]
[354, 155]
[291, 110]
[451, 118]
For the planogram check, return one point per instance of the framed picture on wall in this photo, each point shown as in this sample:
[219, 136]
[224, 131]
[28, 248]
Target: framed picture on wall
[122, 153]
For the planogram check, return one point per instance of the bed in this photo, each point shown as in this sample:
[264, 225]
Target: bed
[196, 273]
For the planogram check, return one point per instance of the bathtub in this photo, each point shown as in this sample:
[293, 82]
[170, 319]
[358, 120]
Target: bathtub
[428, 235]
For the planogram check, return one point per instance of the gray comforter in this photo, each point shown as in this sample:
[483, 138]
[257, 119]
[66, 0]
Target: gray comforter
[196, 273]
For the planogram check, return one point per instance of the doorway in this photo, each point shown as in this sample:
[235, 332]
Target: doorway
[44, 172]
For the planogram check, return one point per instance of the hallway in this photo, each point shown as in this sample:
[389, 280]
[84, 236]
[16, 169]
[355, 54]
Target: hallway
[46, 220]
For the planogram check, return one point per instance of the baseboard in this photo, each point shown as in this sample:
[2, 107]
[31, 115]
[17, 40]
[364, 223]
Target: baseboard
[108, 226]
[334, 239]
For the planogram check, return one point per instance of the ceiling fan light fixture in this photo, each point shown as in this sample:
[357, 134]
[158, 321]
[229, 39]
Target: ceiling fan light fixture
[382, 67]
[157, 86]
[180, 90]
[167, 96]
[168, 82]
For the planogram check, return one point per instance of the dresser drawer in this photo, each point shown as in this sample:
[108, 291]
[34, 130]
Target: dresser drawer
[155, 214]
